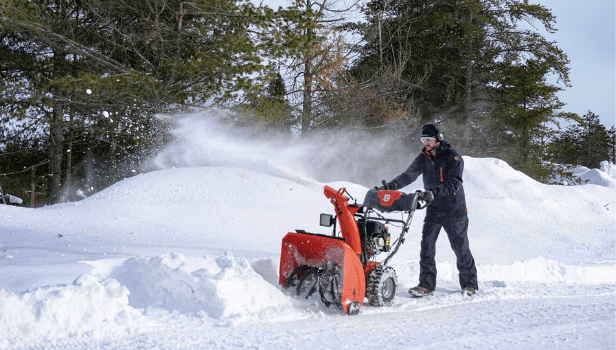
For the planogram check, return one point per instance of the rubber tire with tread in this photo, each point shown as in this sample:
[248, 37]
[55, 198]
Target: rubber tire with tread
[381, 286]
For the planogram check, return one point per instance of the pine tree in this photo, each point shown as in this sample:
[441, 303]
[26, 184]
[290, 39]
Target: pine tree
[102, 69]
[594, 141]
[450, 52]
[612, 145]
[311, 52]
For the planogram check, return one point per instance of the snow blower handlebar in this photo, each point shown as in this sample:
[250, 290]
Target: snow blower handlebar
[418, 202]
[422, 201]
[391, 201]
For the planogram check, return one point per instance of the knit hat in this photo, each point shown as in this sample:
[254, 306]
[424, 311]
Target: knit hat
[429, 130]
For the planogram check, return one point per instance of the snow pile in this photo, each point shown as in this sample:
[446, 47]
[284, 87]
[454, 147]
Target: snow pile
[608, 168]
[222, 288]
[89, 307]
[606, 176]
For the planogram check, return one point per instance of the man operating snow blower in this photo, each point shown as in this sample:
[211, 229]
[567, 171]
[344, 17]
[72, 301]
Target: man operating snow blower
[441, 167]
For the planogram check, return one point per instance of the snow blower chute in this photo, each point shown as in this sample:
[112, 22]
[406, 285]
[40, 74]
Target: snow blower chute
[342, 268]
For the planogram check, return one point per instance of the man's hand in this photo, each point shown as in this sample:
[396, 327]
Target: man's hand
[428, 196]
[387, 186]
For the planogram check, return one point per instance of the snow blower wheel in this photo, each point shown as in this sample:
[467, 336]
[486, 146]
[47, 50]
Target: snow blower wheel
[382, 285]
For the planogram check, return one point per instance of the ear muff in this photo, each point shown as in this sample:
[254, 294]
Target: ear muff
[439, 134]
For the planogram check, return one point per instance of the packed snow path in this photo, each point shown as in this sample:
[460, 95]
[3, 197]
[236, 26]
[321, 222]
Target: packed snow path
[538, 320]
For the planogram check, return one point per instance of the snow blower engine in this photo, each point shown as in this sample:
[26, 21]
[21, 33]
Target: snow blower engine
[342, 268]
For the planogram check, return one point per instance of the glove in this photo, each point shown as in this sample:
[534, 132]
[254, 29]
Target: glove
[428, 196]
[389, 186]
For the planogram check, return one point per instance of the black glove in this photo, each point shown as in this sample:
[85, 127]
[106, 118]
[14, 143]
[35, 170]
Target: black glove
[428, 196]
[379, 188]
[389, 186]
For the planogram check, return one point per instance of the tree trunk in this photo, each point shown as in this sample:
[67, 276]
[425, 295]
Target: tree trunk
[307, 94]
[55, 154]
[32, 187]
[69, 160]
[307, 100]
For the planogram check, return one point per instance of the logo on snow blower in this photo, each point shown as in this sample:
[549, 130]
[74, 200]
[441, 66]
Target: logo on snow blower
[386, 197]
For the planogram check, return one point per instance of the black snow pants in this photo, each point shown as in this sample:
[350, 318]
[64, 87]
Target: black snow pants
[457, 229]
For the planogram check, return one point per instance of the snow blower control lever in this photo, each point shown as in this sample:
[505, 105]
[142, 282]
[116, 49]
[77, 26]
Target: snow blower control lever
[343, 268]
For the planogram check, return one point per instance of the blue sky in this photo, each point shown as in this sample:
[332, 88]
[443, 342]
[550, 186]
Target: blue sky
[586, 34]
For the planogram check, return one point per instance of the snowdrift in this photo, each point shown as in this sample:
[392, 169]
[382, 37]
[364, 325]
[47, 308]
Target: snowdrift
[605, 176]
[205, 243]
[89, 306]
[221, 288]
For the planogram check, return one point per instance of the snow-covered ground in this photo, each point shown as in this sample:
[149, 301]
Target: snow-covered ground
[187, 258]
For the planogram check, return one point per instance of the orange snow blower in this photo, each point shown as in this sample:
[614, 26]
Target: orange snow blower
[342, 268]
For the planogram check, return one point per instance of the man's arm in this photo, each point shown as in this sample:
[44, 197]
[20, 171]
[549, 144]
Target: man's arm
[409, 175]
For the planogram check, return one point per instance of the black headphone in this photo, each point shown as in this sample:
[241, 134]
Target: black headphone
[439, 134]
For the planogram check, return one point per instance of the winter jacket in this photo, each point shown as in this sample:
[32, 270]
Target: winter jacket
[442, 174]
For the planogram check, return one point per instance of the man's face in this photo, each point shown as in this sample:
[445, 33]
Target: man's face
[430, 143]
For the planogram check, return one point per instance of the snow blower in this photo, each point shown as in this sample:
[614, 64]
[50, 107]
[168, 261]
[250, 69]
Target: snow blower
[342, 268]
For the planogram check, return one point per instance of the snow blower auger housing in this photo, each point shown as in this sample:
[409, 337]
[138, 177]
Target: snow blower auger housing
[342, 268]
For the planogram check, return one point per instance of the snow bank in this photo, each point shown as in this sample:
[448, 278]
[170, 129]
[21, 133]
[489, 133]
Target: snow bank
[116, 298]
[542, 270]
[89, 307]
[222, 288]
[536, 270]
[605, 176]
[608, 168]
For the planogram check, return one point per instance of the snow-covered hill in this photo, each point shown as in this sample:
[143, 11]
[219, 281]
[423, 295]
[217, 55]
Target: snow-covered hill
[187, 258]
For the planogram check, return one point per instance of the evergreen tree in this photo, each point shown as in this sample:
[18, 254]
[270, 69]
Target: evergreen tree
[565, 147]
[586, 143]
[594, 141]
[453, 49]
[611, 145]
[528, 103]
[101, 69]
[268, 110]
[311, 52]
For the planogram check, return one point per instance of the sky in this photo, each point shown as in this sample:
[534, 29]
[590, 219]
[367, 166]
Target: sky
[586, 34]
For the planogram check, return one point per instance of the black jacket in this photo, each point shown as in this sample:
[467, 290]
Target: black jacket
[442, 174]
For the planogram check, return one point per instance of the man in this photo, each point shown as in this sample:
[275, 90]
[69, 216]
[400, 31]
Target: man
[441, 167]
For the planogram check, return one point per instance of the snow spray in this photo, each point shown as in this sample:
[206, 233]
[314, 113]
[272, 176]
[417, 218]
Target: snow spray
[207, 139]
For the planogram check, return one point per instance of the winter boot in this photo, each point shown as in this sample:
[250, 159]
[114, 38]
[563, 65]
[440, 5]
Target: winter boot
[419, 292]
[470, 291]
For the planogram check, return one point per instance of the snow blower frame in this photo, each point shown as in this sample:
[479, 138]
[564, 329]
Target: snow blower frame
[343, 268]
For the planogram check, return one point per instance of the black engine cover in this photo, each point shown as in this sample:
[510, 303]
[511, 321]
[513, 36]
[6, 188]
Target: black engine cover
[372, 227]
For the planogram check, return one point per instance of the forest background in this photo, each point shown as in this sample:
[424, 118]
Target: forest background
[89, 88]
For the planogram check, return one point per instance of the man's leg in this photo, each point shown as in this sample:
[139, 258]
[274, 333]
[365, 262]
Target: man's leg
[427, 263]
[457, 231]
